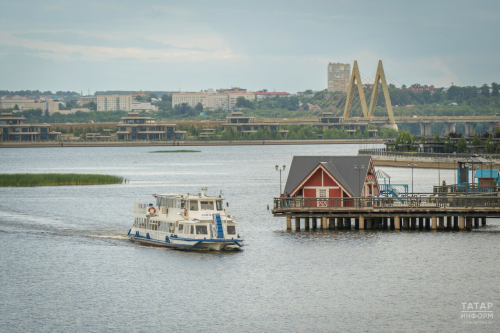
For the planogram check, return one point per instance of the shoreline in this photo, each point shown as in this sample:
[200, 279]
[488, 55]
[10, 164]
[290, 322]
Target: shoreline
[62, 144]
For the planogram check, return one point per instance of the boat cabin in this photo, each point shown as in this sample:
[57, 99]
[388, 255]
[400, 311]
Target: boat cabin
[188, 216]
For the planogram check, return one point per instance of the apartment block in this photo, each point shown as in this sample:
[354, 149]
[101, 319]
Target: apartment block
[224, 99]
[114, 103]
[29, 104]
[87, 99]
[338, 76]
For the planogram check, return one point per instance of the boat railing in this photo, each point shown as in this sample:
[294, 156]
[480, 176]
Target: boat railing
[414, 201]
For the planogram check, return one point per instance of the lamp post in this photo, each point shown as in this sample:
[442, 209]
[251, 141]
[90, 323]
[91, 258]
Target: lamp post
[411, 164]
[439, 174]
[278, 169]
[362, 167]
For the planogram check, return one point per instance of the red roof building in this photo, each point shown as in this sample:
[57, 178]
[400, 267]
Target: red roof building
[332, 177]
[431, 89]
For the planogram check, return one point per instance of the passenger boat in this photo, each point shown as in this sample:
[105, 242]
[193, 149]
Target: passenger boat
[184, 221]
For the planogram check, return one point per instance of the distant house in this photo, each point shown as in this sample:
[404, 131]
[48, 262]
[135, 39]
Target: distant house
[332, 177]
[431, 89]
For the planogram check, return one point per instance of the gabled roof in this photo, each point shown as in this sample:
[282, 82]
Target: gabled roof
[340, 167]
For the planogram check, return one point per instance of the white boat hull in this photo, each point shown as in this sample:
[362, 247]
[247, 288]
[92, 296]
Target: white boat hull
[185, 243]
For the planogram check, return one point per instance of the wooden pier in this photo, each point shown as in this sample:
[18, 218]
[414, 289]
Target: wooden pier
[419, 212]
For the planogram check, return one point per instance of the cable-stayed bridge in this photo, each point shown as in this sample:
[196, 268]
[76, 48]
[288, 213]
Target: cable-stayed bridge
[350, 110]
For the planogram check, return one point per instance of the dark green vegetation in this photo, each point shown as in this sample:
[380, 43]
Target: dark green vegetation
[294, 132]
[55, 179]
[482, 143]
[176, 151]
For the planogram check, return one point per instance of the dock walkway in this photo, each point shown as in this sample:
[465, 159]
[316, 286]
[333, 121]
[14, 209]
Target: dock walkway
[425, 212]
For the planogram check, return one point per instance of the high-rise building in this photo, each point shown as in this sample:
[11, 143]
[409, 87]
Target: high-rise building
[338, 76]
[114, 103]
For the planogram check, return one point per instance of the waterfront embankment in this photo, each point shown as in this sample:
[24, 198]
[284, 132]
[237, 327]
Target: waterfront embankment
[138, 143]
[416, 160]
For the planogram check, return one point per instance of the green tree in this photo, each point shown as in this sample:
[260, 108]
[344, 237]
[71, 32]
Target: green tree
[461, 144]
[166, 98]
[242, 102]
[476, 141]
[495, 87]
[485, 90]
[139, 98]
[448, 145]
[489, 146]
[436, 138]
[92, 106]
[16, 107]
[199, 107]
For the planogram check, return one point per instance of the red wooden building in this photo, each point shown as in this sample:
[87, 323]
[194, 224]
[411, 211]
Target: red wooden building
[332, 177]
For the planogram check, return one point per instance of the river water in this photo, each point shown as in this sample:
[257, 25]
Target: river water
[67, 266]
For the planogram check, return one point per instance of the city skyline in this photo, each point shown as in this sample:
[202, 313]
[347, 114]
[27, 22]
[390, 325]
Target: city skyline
[111, 45]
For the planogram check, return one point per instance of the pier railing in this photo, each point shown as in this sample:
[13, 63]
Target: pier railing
[461, 189]
[416, 201]
[384, 152]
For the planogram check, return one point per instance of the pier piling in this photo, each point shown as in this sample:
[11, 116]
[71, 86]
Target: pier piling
[306, 223]
[324, 223]
[297, 223]
[331, 223]
[413, 223]
[288, 223]
[483, 220]
[461, 222]
[361, 223]
[433, 223]
[441, 222]
[397, 223]
[406, 223]
[449, 222]
[468, 222]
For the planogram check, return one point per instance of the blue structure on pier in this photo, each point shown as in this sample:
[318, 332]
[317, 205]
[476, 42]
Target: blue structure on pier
[487, 178]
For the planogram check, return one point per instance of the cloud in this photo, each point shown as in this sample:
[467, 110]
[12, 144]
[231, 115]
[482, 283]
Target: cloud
[21, 49]
[65, 46]
[85, 39]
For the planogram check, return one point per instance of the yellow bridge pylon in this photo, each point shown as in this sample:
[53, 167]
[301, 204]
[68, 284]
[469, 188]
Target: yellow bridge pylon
[379, 79]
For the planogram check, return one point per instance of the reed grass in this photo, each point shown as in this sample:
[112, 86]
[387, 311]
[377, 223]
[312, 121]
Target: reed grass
[56, 179]
[176, 151]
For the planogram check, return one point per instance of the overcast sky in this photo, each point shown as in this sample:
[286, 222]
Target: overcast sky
[277, 45]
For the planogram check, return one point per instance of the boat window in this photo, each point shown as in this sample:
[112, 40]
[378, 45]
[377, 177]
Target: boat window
[183, 204]
[207, 205]
[231, 230]
[181, 228]
[193, 205]
[201, 230]
[172, 227]
[219, 205]
[192, 229]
